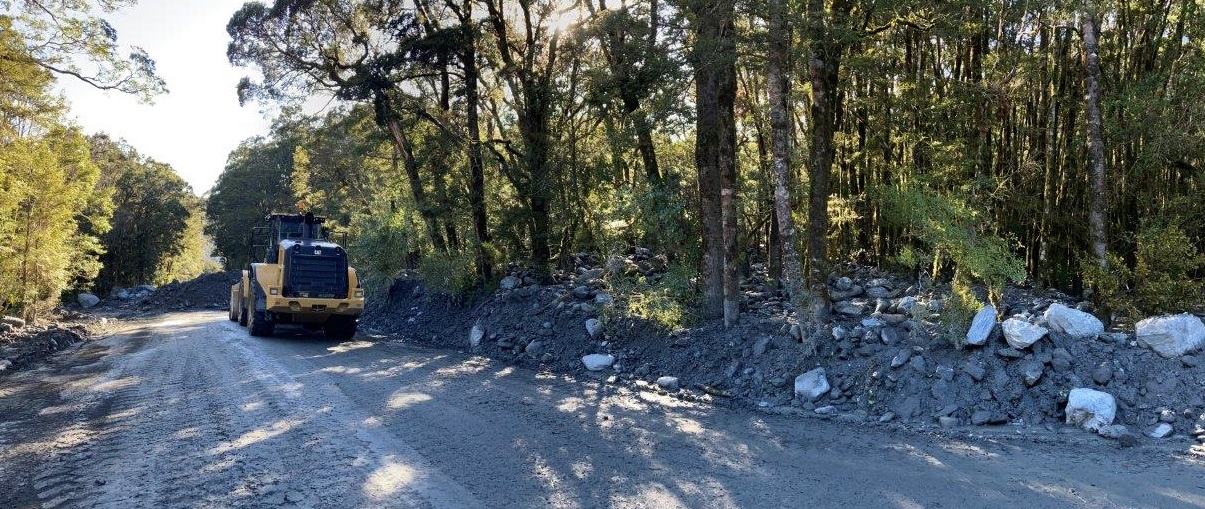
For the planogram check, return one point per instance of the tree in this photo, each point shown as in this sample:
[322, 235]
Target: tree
[778, 64]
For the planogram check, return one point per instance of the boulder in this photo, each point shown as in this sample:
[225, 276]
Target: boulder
[13, 321]
[906, 304]
[87, 300]
[850, 308]
[1021, 334]
[843, 284]
[1074, 323]
[811, 385]
[1090, 409]
[1172, 336]
[981, 326]
[839, 295]
[669, 383]
[598, 361]
[510, 283]
[594, 328]
[1161, 431]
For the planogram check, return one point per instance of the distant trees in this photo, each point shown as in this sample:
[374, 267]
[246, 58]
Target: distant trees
[964, 140]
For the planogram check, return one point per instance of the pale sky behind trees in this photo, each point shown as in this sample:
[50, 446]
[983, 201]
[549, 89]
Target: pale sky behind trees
[196, 125]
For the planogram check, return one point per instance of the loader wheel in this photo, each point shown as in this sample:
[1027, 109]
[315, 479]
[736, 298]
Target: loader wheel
[242, 313]
[339, 327]
[258, 321]
[233, 314]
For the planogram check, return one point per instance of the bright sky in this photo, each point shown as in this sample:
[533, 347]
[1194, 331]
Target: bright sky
[194, 127]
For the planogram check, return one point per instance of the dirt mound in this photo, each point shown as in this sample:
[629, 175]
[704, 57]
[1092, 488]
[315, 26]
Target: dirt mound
[883, 354]
[24, 346]
[205, 291]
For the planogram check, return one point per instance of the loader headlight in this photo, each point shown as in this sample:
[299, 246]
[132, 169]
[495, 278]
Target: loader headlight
[359, 294]
[274, 291]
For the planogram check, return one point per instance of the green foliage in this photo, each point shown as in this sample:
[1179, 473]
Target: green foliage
[451, 274]
[957, 312]
[254, 184]
[1166, 277]
[383, 239]
[670, 302]
[951, 229]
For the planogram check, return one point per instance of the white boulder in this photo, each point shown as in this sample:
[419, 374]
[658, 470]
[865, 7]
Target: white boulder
[1073, 322]
[87, 300]
[1172, 336]
[981, 326]
[1090, 409]
[1021, 334]
[811, 385]
[669, 383]
[598, 361]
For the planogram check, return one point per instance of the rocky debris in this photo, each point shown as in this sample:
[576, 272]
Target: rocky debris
[509, 283]
[594, 328]
[669, 383]
[133, 293]
[87, 300]
[1021, 334]
[1073, 323]
[1090, 409]
[210, 291]
[981, 326]
[1118, 432]
[13, 321]
[1171, 336]
[811, 385]
[598, 361]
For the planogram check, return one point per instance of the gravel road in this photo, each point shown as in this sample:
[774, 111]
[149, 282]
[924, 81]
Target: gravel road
[188, 411]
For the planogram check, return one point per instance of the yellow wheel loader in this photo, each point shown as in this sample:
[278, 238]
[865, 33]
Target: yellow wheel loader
[304, 279]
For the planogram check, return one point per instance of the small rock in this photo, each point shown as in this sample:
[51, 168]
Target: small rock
[598, 361]
[1118, 432]
[945, 373]
[843, 284]
[981, 417]
[1161, 431]
[891, 335]
[583, 293]
[1171, 336]
[5, 364]
[1189, 361]
[981, 326]
[850, 308]
[1010, 353]
[901, 358]
[1032, 371]
[887, 417]
[1074, 323]
[1021, 334]
[877, 292]
[975, 370]
[294, 497]
[947, 422]
[906, 304]
[1090, 409]
[535, 348]
[594, 327]
[1102, 374]
[826, 410]
[588, 276]
[873, 323]
[475, 335]
[669, 383]
[811, 385]
[603, 299]
[547, 358]
[759, 347]
[918, 363]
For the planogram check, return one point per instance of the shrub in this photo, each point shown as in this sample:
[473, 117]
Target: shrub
[670, 302]
[451, 274]
[1162, 280]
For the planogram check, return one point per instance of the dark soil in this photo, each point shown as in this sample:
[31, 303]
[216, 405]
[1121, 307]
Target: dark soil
[24, 347]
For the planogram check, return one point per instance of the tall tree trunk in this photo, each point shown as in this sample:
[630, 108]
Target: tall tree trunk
[715, 151]
[824, 59]
[780, 145]
[476, 165]
[416, 186]
[1096, 148]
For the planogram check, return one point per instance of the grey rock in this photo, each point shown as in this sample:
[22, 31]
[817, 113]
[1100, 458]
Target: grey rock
[1103, 373]
[843, 284]
[598, 361]
[981, 326]
[850, 308]
[975, 370]
[588, 276]
[1189, 361]
[826, 410]
[1171, 336]
[603, 299]
[1074, 323]
[918, 363]
[891, 335]
[1032, 372]
[17, 323]
[594, 328]
[840, 333]
[294, 497]
[906, 304]
[510, 283]
[547, 358]
[945, 373]
[873, 322]
[877, 292]
[1090, 409]
[669, 383]
[583, 293]
[947, 422]
[811, 385]
[475, 335]
[901, 358]
[87, 300]
[1010, 353]
[1117, 432]
[1021, 334]
[1161, 431]
[887, 417]
[981, 417]
[534, 349]
[759, 346]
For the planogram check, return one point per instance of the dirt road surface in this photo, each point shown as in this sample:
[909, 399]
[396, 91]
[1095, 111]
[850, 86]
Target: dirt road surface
[188, 411]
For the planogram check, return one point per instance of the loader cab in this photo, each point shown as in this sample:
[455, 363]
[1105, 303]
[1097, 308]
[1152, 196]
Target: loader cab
[294, 227]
